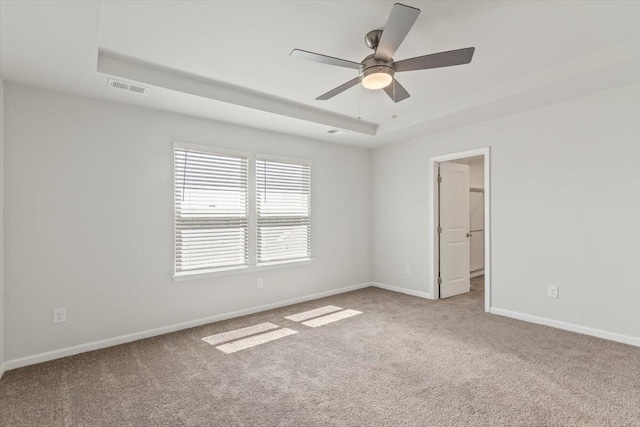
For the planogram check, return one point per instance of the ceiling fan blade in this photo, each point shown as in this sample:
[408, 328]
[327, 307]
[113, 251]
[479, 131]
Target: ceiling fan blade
[324, 59]
[396, 91]
[395, 30]
[339, 89]
[436, 60]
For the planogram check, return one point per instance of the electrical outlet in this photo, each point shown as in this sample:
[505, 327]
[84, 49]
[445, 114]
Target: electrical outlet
[260, 282]
[552, 291]
[59, 315]
[407, 269]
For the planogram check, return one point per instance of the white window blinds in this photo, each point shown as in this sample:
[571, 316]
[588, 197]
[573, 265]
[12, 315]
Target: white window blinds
[283, 206]
[211, 224]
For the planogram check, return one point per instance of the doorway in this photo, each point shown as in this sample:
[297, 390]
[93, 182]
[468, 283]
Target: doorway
[460, 225]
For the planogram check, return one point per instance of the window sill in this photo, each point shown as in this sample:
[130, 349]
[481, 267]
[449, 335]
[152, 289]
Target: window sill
[204, 274]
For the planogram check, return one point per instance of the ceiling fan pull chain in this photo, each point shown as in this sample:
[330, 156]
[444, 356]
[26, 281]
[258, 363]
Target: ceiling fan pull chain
[360, 102]
[393, 95]
[395, 103]
[394, 91]
[376, 71]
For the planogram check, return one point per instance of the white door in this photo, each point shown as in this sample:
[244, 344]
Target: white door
[454, 230]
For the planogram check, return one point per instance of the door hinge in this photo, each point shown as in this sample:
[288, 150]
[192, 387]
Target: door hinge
[439, 280]
[439, 178]
[439, 229]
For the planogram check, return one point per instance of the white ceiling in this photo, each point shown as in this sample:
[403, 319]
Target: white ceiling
[527, 54]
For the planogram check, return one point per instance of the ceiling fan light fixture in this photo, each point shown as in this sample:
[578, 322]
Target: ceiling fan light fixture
[377, 70]
[377, 78]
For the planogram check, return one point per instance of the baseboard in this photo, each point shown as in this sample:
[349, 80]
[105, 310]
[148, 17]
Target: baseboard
[402, 290]
[2, 369]
[477, 273]
[96, 345]
[625, 339]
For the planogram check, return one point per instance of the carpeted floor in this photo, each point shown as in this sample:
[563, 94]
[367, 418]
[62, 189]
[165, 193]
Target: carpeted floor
[404, 361]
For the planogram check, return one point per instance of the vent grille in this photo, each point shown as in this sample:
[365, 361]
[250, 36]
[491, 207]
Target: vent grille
[119, 84]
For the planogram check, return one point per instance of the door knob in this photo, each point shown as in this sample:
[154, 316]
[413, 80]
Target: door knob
[468, 234]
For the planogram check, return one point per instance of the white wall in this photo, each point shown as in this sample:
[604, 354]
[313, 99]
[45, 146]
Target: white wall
[476, 172]
[565, 182]
[476, 214]
[89, 220]
[88, 215]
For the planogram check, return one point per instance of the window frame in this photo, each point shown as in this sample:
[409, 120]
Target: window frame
[292, 161]
[252, 217]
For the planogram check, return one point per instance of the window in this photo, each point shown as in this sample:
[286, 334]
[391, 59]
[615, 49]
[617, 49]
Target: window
[211, 221]
[283, 206]
[237, 212]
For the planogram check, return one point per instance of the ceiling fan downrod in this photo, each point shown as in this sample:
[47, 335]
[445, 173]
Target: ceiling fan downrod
[372, 39]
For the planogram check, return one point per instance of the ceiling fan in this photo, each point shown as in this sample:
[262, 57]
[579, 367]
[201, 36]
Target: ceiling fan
[377, 70]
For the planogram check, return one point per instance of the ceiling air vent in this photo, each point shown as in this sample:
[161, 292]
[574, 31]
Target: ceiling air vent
[129, 87]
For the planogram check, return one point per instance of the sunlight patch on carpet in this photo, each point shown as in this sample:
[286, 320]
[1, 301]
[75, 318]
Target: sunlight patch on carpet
[330, 318]
[239, 333]
[305, 315]
[255, 340]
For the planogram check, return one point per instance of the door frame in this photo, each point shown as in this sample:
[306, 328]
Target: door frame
[434, 216]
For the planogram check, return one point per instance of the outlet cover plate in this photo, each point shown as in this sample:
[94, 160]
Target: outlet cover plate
[59, 315]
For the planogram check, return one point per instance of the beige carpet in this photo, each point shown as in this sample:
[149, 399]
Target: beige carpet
[404, 361]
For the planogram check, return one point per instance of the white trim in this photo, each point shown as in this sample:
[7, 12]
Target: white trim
[433, 215]
[402, 290]
[211, 149]
[2, 369]
[282, 159]
[477, 273]
[190, 275]
[96, 345]
[252, 265]
[150, 74]
[625, 339]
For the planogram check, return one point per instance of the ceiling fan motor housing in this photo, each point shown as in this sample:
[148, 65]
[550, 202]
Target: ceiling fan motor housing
[371, 65]
[379, 73]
